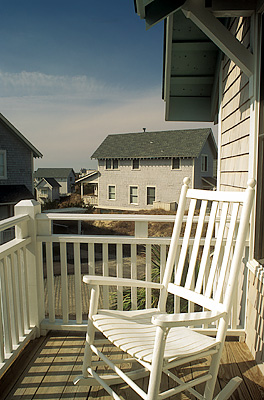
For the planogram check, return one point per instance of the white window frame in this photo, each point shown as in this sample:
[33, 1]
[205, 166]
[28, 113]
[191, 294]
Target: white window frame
[176, 169]
[129, 194]
[151, 187]
[203, 164]
[4, 176]
[108, 193]
[132, 164]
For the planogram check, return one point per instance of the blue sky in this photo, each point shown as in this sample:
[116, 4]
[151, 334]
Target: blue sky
[73, 72]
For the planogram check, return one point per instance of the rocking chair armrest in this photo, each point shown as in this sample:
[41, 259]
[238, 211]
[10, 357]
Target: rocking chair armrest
[186, 319]
[113, 281]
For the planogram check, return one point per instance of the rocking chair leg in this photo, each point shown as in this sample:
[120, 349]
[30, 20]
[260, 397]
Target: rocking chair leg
[229, 389]
[87, 359]
[156, 370]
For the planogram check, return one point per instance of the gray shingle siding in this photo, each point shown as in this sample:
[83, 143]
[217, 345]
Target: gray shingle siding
[19, 159]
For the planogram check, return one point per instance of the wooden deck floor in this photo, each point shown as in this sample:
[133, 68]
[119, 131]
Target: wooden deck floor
[47, 366]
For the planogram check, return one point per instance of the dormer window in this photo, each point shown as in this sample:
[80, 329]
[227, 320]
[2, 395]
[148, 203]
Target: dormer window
[111, 163]
[135, 163]
[176, 163]
[115, 163]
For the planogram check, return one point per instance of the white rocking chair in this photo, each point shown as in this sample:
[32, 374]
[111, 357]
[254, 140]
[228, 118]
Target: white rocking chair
[160, 341]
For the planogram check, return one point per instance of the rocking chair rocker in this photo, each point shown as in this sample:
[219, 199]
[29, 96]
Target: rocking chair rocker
[160, 341]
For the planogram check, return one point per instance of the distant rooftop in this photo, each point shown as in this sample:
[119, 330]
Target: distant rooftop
[161, 144]
[52, 172]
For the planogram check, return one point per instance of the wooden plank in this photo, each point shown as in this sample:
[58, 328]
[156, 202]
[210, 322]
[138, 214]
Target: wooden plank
[252, 376]
[229, 369]
[36, 368]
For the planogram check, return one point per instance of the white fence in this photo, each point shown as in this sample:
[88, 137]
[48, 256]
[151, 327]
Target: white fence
[41, 273]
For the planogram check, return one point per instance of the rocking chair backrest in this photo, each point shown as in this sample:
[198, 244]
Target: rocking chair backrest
[207, 256]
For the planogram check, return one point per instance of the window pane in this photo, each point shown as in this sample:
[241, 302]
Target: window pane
[111, 192]
[133, 194]
[115, 164]
[150, 195]
[176, 163]
[136, 164]
[108, 164]
[2, 165]
[204, 163]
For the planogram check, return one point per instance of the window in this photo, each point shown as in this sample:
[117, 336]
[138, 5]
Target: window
[151, 195]
[111, 164]
[115, 164]
[108, 163]
[204, 166]
[111, 192]
[176, 163]
[135, 163]
[133, 196]
[3, 164]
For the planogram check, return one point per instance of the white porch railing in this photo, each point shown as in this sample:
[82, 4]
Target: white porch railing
[41, 274]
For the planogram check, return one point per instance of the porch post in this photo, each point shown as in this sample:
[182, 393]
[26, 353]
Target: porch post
[29, 229]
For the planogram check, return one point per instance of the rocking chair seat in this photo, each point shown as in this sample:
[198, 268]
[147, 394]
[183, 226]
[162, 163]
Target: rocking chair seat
[134, 333]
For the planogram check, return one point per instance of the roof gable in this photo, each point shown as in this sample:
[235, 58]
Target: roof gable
[19, 135]
[161, 144]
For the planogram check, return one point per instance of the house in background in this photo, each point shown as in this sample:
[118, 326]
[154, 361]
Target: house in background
[64, 176]
[48, 189]
[213, 71]
[145, 170]
[16, 167]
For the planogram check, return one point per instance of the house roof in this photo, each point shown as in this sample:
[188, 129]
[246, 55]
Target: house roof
[11, 194]
[19, 135]
[53, 172]
[88, 176]
[162, 144]
[51, 181]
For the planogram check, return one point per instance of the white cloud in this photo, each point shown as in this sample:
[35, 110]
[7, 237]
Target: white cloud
[67, 118]
[30, 84]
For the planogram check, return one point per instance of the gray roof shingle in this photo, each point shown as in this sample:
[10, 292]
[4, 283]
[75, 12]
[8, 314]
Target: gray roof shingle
[52, 172]
[162, 144]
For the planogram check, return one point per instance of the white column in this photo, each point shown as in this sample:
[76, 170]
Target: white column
[32, 208]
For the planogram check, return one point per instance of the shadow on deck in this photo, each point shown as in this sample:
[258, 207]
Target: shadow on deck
[47, 366]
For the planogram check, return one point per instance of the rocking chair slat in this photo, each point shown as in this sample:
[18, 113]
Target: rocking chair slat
[206, 249]
[193, 261]
[217, 251]
[187, 234]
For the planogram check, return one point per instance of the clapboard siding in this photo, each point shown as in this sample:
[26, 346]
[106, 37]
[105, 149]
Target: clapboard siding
[235, 116]
[236, 148]
[236, 133]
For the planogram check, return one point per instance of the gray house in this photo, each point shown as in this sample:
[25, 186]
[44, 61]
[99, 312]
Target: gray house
[64, 176]
[145, 170]
[16, 167]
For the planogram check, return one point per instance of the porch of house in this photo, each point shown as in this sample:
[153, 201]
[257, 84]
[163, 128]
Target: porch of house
[44, 305]
[48, 365]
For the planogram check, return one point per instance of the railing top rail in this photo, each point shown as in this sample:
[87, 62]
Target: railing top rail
[13, 221]
[114, 217]
[106, 217]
